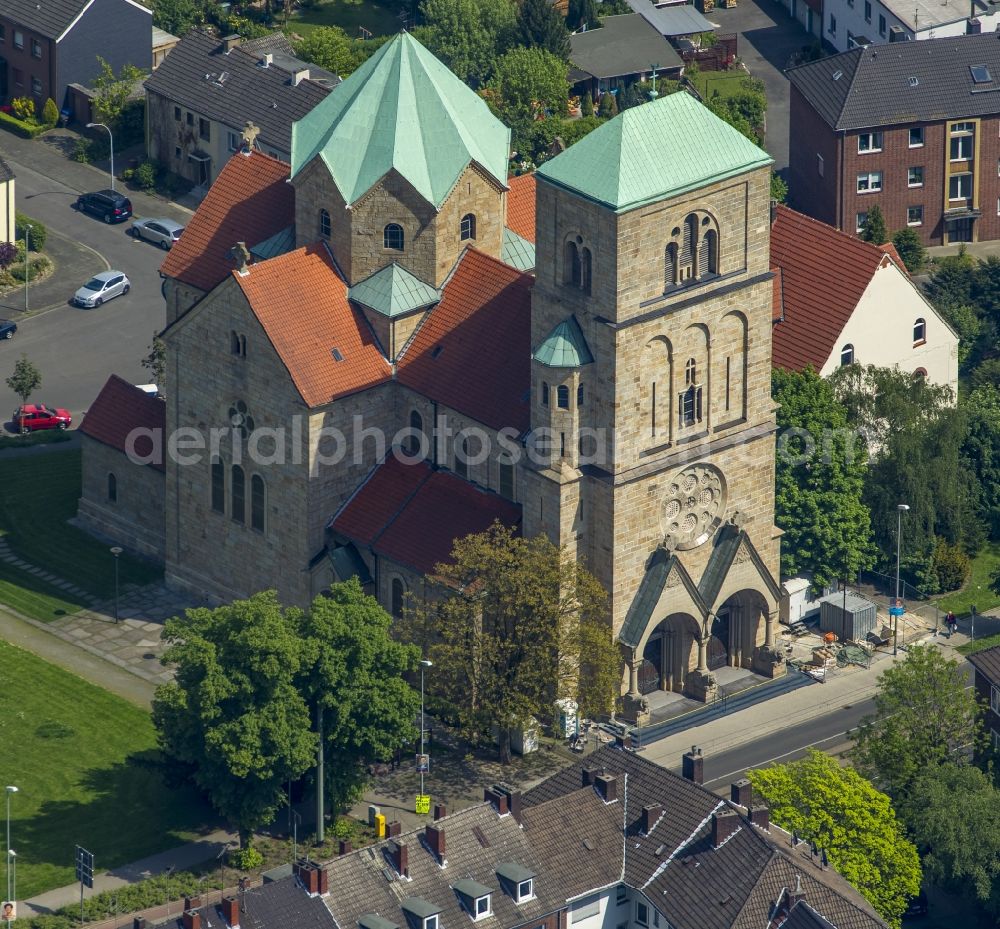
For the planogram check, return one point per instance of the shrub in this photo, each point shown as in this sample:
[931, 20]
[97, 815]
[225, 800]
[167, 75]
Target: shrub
[23, 108]
[145, 175]
[587, 105]
[81, 151]
[50, 113]
[27, 130]
[38, 231]
[246, 859]
[910, 249]
[609, 106]
[951, 565]
[8, 254]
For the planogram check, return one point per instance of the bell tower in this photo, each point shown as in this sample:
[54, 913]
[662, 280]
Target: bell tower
[653, 299]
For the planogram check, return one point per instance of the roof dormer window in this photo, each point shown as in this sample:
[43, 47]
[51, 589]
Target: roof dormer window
[420, 914]
[476, 898]
[517, 881]
[431, 922]
[525, 891]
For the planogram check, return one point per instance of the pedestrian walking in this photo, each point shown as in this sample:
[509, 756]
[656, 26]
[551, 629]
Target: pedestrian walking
[950, 623]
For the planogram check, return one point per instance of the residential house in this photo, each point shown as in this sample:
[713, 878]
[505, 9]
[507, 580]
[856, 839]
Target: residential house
[615, 841]
[673, 21]
[624, 50]
[368, 308]
[987, 666]
[163, 45]
[201, 97]
[839, 300]
[8, 208]
[914, 129]
[45, 47]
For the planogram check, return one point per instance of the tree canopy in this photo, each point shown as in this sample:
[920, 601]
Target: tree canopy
[113, 91]
[25, 379]
[873, 228]
[469, 36]
[526, 625]
[332, 48]
[818, 494]
[541, 25]
[843, 814]
[526, 83]
[924, 718]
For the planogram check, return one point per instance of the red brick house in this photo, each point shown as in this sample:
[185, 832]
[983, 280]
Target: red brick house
[987, 665]
[914, 129]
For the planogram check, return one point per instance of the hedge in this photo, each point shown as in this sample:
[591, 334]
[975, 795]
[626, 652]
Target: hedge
[18, 127]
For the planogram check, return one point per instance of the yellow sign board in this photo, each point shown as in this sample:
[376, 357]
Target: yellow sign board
[423, 804]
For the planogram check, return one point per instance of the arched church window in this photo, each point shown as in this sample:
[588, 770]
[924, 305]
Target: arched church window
[218, 486]
[112, 488]
[545, 393]
[468, 227]
[413, 441]
[562, 397]
[919, 331]
[237, 494]
[392, 237]
[670, 266]
[258, 501]
[462, 458]
[585, 270]
[571, 264]
[324, 223]
[847, 355]
[690, 409]
[689, 246]
[690, 372]
[710, 263]
[396, 598]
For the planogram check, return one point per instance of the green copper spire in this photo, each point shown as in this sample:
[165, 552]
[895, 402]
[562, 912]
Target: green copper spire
[564, 347]
[403, 110]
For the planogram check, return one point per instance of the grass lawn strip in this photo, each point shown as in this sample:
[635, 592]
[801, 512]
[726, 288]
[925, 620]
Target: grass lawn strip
[970, 648]
[976, 591]
[351, 16]
[40, 494]
[81, 758]
[34, 597]
[725, 83]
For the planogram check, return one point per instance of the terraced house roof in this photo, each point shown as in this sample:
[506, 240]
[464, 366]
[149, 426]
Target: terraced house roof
[402, 110]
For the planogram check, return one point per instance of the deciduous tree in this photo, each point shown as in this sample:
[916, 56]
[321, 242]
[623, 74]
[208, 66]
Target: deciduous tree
[527, 83]
[819, 481]
[855, 824]
[526, 625]
[924, 717]
[113, 91]
[156, 361]
[541, 25]
[26, 378]
[469, 35]
[873, 228]
[233, 715]
[331, 48]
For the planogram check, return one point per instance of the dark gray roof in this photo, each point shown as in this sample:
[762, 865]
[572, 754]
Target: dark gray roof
[279, 904]
[49, 17]
[626, 44]
[803, 916]
[640, 610]
[472, 889]
[987, 663]
[233, 87]
[6, 174]
[678, 19]
[905, 82]
[371, 921]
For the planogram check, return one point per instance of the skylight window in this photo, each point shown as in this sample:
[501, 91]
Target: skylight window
[980, 74]
[337, 356]
[913, 81]
[837, 75]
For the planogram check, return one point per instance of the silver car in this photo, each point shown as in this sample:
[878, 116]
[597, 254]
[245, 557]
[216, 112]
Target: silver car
[162, 232]
[101, 287]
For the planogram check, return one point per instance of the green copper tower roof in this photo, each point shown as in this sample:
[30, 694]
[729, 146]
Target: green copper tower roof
[393, 291]
[564, 347]
[401, 109]
[660, 149]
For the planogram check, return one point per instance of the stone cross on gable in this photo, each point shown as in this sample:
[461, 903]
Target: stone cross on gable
[250, 133]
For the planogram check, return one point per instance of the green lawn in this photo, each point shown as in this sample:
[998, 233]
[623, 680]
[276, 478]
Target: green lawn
[980, 644]
[976, 591]
[41, 437]
[34, 597]
[378, 18]
[725, 83]
[40, 494]
[80, 758]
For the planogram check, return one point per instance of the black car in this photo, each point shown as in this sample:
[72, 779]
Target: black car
[108, 205]
[7, 329]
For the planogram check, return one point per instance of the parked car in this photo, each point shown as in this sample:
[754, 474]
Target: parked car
[162, 232]
[34, 416]
[7, 329]
[108, 205]
[101, 287]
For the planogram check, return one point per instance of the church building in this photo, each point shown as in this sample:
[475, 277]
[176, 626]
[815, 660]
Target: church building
[389, 344]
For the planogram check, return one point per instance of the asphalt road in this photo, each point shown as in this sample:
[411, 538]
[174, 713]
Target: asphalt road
[77, 349]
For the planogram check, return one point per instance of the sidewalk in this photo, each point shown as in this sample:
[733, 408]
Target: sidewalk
[175, 859]
[843, 686]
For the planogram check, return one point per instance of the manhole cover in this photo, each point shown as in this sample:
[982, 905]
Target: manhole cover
[846, 706]
[149, 656]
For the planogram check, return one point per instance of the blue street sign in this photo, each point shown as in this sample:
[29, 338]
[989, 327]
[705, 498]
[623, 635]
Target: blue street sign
[897, 610]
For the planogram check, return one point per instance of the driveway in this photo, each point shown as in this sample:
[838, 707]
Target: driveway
[768, 37]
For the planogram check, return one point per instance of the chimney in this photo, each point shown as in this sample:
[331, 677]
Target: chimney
[498, 800]
[324, 880]
[393, 829]
[693, 766]
[344, 847]
[308, 874]
[724, 823]
[741, 792]
[191, 919]
[440, 811]
[192, 903]
[973, 26]
[299, 76]
[607, 787]
[650, 814]
[513, 799]
[267, 60]
[231, 912]
[241, 255]
[399, 857]
[231, 41]
[139, 922]
[588, 776]
[435, 840]
[760, 816]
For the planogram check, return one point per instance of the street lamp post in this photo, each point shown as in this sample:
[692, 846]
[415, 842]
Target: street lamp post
[112, 140]
[12, 858]
[27, 232]
[116, 551]
[424, 663]
[901, 508]
[11, 789]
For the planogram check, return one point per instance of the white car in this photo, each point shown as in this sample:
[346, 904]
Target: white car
[101, 287]
[162, 232]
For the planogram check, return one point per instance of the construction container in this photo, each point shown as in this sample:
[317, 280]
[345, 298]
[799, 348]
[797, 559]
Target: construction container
[850, 617]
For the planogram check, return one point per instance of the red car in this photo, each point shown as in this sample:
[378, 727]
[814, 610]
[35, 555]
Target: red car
[34, 416]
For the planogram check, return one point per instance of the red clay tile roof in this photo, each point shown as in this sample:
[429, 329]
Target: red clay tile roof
[890, 250]
[521, 206]
[777, 297]
[473, 352]
[412, 514]
[301, 302]
[249, 202]
[119, 408]
[824, 273]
